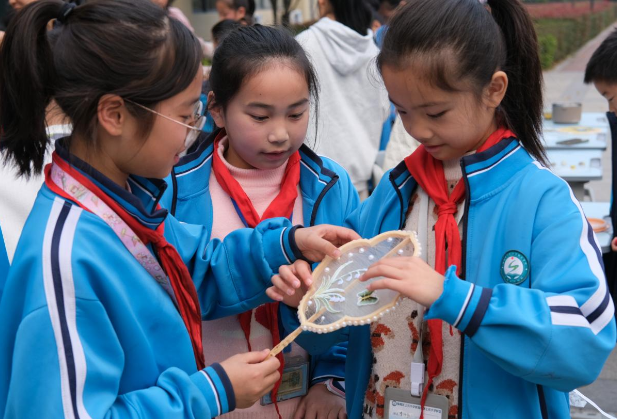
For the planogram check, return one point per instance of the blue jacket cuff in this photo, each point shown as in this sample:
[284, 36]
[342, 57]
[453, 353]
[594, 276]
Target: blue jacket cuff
[462, 304]
[216, 386]
[277, 243]
[294, 247]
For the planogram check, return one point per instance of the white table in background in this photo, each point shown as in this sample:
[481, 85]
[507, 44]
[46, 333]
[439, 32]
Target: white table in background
[577, 163]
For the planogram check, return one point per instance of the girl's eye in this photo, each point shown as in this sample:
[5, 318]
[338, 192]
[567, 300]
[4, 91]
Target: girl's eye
[401, 112]
[259, 118]
[296, 115]
[437, 115]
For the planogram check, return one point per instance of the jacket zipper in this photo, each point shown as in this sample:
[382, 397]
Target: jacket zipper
[463, 275]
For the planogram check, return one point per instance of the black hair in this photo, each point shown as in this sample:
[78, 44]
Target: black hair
[355, 14]
[392, 3]
[103, 47]
[247, 51]
[602, 64]
[249, 8]
[463, 40]
[373, 4]
[224, 28]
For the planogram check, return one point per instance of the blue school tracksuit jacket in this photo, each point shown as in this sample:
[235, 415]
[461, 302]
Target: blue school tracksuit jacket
[328, 197]
[88, 333]
[531, 334]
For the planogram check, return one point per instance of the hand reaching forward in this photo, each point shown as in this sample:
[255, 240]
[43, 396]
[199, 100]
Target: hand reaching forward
[323, 240]
[410, 276]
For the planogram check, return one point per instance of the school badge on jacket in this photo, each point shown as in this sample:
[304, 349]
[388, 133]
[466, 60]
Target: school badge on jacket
[514, 267]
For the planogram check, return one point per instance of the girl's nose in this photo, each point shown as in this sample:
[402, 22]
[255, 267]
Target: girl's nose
[279, 135]
[418, 131]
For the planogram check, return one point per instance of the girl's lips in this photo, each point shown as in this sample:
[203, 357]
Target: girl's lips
[275, 156]
[432, 149]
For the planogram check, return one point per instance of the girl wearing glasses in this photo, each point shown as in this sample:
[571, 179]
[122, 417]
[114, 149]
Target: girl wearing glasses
[103, 303]
[253, 169]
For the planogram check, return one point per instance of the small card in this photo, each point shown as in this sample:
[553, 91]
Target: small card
[295, 383]
[400, 404]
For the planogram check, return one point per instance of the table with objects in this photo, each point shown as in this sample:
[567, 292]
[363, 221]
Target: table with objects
[575, 150]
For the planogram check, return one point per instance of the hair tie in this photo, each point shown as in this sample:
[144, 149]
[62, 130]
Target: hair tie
[65, 11]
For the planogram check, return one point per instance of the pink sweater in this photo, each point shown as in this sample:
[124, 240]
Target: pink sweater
[224, 338]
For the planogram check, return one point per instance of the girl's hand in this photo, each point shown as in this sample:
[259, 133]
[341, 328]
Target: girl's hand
[614, 244]
[323, 240]
[319, 403]
[252, 375]
[410, 276]
[291, 283]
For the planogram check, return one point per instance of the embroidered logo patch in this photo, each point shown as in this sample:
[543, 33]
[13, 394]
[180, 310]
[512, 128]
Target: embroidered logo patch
[514, 267]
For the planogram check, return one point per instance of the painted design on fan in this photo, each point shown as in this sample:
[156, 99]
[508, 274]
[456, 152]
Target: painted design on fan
[325, 295]
[367, 298]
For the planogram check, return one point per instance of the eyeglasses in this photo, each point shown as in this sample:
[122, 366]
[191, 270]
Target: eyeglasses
[199, 120]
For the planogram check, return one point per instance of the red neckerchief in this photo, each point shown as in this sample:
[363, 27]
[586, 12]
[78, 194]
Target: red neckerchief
[281, 206]
[429, 174]
[171, 262]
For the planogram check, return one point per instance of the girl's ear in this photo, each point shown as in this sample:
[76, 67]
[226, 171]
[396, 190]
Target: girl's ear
[216, 111]
[496, 89]
[112, 114]
[240, 13]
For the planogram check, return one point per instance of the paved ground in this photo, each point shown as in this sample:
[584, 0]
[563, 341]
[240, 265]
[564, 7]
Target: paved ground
[565, 83]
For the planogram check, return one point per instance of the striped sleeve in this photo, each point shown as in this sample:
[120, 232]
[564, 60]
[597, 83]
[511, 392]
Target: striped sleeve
[218, 389]
[60, 295]
[596, 311]
[278, 243]
[462, 304]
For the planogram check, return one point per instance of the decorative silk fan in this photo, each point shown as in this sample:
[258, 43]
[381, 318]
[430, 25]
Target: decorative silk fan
[338, 299]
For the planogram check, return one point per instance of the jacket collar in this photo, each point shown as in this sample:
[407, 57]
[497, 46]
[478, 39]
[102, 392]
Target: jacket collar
[314, 176]
[491, 170]
[485, 172]
[140, 201]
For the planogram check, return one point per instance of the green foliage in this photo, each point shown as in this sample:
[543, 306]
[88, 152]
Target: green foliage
[548, 47]
[560, 37]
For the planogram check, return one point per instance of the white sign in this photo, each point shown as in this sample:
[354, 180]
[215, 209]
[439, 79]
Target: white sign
[403, 410]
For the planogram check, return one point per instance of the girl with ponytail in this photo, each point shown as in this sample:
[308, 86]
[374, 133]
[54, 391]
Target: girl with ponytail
[511, 274]
[104, 298]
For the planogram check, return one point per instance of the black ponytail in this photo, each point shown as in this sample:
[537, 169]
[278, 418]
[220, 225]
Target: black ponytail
[462, 40]
[128, 48]
[522, 105]
[27, 79]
